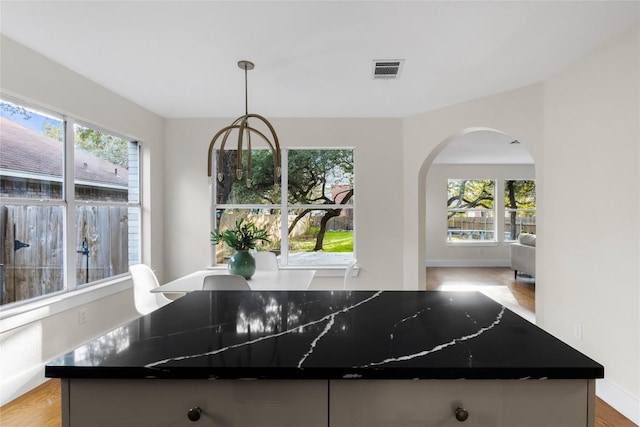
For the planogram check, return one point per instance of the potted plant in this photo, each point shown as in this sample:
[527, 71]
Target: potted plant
[241, 238]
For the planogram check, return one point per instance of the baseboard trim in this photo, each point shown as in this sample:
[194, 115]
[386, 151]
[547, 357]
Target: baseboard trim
[467, 263]
[619, 399]
[22, 383]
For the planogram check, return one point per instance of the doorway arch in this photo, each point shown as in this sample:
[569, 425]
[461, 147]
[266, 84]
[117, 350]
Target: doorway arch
[422, 189]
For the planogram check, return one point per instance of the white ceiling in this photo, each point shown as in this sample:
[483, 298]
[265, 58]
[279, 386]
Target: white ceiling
[313, 58]
[484, 147]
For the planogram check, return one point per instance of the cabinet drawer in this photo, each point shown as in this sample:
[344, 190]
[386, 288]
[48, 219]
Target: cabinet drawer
[153, 403]
[490, 403]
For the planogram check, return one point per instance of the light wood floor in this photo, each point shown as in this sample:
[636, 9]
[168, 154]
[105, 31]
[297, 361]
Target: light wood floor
[41, 406]
[521, 297]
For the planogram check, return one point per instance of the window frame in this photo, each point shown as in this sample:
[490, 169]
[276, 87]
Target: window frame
[133, 257]
[494, 213]
[284, 207]
[69, 204]
[508, 210]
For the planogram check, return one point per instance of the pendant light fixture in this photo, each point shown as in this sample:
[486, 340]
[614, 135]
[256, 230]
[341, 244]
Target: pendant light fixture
[244, 130]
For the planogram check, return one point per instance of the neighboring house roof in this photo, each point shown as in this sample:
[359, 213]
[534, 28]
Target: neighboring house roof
[26, 151]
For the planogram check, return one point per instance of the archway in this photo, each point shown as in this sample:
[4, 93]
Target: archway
[481, 153]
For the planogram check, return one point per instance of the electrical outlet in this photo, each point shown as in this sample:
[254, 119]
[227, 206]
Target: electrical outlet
[577, 332]
[82, 316]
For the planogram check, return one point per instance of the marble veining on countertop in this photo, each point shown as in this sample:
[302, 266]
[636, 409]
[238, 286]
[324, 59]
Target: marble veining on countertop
[328, 335]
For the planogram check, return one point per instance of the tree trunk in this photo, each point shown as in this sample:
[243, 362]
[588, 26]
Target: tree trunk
[297, 219]
[331, 213]
[512, 205]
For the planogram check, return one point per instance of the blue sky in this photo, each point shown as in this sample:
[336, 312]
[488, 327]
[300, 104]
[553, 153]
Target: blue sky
[35, 121]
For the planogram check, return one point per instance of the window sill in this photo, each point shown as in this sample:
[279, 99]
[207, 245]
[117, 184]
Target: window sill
[321, 270]
[473, 243]
[24, 314]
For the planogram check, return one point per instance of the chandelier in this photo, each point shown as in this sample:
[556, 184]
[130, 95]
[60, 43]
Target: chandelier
[244, 130]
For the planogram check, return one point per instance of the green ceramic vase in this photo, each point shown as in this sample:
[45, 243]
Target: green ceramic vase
[243, 264]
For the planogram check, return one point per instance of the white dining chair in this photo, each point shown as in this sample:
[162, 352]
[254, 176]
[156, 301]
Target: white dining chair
[348, 273]
[265, 261]
[225, 282]
[144, 280]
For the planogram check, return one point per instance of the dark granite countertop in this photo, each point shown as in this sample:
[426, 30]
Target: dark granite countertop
[328, 335]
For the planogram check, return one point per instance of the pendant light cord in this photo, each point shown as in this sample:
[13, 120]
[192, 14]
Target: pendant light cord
[246, 92]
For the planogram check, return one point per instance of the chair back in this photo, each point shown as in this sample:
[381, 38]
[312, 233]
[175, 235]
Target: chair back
[225, 282]
[348, 273]
[144, 280]
[265, 261]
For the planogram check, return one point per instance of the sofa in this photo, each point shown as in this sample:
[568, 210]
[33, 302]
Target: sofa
[522, 255]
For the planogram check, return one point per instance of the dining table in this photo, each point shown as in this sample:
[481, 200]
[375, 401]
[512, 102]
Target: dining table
[262, 280]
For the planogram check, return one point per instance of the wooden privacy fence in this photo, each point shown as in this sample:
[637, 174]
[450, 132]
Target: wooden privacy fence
[38, 269]
[344, 222]
[478, 225]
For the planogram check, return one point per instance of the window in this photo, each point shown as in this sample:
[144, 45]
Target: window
[61, 179]
[519, 208]
[470, 210]
[309, 216]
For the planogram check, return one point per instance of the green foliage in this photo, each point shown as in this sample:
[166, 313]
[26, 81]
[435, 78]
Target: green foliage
[262, 188]
[311, 231]
[311, 171]
[312, 175]
[520, 194]
[53, 130]
[102, 145]
[469, 194]
[243, 237]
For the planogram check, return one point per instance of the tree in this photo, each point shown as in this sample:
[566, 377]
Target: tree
[53, 130]
[262, 190]
[13, 109]
[311, 175]
[468, 194]
[520, 194]
[310, 172]
[102, 145]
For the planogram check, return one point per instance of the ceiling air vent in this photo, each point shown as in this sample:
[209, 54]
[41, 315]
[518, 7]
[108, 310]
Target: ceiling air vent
[387, 68]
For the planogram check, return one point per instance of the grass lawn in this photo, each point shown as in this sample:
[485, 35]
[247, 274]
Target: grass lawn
[334, 241]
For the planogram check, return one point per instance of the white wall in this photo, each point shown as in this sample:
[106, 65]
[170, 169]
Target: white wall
[55, 329]
[378, 191]
[590, 240]
[517, 113]
[582, 128]
[439, 253]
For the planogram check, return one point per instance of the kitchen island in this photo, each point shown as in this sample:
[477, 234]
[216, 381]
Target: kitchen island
[328, 358]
